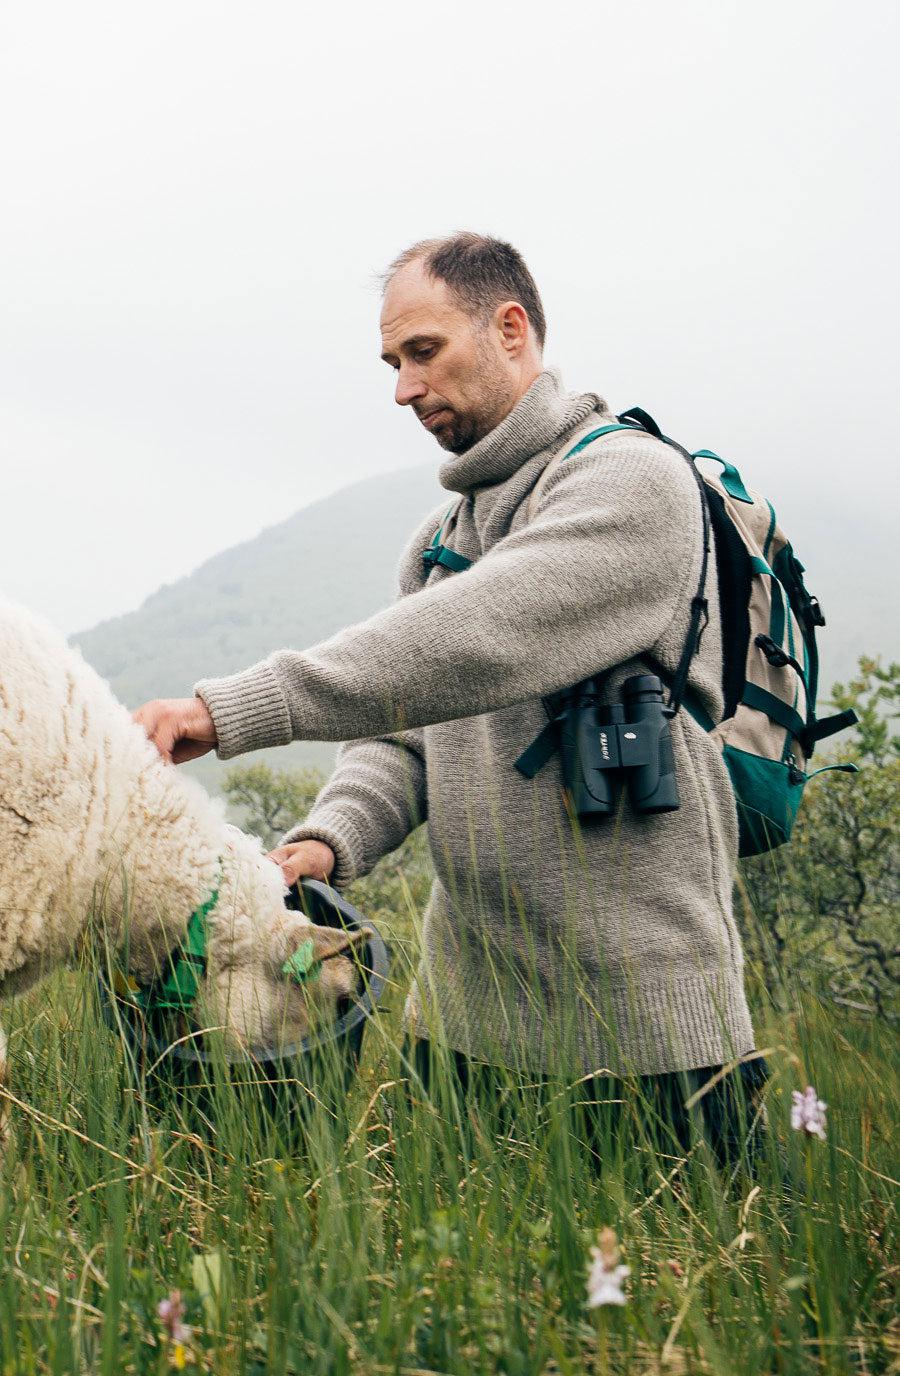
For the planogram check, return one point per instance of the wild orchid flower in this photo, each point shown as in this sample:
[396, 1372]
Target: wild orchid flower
[808, 1113]
[604, 1285]
[171, 1313]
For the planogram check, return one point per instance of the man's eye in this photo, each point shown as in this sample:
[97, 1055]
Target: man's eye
[423, 354]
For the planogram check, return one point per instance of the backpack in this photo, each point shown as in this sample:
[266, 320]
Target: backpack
[770, 663]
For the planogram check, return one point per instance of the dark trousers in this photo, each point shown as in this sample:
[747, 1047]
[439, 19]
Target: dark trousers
[647, 1111]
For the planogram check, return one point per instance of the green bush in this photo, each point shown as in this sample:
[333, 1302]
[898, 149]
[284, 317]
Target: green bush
[823, 911]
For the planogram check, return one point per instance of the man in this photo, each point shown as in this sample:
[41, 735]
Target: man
[547, 947]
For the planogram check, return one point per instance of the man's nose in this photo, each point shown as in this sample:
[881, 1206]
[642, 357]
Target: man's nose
[409, 386]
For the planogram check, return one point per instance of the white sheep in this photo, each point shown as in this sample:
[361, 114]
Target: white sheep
[96, 830]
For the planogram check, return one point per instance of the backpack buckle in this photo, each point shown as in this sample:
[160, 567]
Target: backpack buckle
[814, 612]
[446, 558]
[777, 657]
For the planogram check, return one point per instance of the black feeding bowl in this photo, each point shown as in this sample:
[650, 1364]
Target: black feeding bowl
[167, 1055]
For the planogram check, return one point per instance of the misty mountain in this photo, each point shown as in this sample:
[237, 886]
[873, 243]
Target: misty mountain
[333, 563]
[329, 565]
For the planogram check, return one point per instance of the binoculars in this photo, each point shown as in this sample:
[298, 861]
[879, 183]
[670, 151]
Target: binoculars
[604, 746]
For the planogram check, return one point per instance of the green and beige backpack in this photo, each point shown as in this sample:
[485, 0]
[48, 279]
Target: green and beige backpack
[769, 728]
[770, 663]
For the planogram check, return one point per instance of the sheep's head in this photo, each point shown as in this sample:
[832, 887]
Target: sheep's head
[292, 983]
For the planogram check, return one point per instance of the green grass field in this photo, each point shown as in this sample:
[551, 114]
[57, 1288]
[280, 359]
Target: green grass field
[404, 1236]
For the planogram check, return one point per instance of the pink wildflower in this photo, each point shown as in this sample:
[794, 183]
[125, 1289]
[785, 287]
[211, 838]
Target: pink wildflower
[605, 1277]
[808, 1113]
[171, 1313]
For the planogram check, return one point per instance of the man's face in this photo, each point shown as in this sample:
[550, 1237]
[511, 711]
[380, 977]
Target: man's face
[451, 369]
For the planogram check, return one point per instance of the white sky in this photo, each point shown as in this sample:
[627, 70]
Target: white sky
[196, 198]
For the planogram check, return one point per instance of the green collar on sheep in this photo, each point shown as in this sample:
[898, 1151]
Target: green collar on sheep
[176, 991]
[187, 965]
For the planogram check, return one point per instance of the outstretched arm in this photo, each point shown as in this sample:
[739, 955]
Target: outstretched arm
[594, 580]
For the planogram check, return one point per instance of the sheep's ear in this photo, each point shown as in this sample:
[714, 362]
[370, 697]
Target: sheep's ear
[321, 943]
[334, 941]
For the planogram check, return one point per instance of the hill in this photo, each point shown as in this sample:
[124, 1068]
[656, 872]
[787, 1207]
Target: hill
[329, 565]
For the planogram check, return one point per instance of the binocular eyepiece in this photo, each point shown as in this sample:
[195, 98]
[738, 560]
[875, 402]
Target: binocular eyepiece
[606, 745]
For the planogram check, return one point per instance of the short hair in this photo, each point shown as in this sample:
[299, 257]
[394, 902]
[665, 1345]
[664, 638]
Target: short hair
[480, 272]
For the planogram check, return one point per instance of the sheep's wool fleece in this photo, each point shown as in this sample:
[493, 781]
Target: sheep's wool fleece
[91, 819]
[99, 838]
[546, 946]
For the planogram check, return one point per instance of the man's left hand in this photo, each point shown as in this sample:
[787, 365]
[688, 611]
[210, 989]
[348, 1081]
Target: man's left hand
[180, 728]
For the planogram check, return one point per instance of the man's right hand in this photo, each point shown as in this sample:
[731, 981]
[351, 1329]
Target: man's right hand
[180, 728]
[304, 860]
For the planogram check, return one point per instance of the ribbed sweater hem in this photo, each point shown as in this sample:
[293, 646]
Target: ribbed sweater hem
[636, 1027]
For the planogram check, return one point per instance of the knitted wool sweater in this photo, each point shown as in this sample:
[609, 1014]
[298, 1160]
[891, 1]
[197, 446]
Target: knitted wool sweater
[547, 946]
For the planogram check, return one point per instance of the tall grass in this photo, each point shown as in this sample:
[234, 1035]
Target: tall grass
[383, 1230]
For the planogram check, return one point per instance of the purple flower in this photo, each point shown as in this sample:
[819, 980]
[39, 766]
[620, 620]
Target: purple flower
[171, 1313]
[808, 1113]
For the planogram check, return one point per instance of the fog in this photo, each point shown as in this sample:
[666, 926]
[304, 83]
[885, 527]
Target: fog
[196, 200]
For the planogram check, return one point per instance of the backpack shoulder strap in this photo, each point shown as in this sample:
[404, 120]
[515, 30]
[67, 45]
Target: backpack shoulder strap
[437, 552]
[594, 433]
[639, 420]
[699, 617]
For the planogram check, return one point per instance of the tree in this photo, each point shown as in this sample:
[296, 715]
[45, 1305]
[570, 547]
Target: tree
[826, 906]
[270, 801]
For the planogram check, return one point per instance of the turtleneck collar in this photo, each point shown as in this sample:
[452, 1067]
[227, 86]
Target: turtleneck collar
[543, 415]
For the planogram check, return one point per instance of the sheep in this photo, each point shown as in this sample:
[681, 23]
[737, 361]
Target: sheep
[98, 836]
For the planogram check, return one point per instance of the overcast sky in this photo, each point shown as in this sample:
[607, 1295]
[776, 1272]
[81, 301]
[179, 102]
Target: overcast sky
[196, 198]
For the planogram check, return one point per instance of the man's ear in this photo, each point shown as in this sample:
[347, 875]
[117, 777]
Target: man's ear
[512, 322]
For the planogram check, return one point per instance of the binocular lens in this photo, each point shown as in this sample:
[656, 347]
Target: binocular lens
[602, 745]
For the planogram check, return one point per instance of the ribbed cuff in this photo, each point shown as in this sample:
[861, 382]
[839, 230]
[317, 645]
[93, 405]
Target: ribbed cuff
[341, 836]
[248, 709]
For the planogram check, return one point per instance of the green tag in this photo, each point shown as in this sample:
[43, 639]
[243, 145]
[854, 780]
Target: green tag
[302, 965]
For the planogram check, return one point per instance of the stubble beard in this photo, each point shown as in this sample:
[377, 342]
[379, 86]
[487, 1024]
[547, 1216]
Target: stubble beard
[493, 405]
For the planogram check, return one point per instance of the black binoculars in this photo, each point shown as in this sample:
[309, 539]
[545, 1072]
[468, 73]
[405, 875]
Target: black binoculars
[604, 745]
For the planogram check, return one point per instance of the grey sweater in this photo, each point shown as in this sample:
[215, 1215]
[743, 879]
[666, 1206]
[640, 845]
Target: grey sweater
[546, 945]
